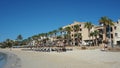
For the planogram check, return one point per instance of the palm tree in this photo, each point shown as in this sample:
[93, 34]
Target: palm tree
[68, 30]
[105, 21]
[79, 37]
[19, 39]
[76, 28]
[55, 32]
[92, 35]
[46, 35]
[35, 37]
[42, 38]
[110, 24]
[89, 26]
[96, 33]
[9, 43]
[50, 33]
[60, 30]
[43, 35]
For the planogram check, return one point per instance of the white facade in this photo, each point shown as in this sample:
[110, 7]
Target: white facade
[117, 32]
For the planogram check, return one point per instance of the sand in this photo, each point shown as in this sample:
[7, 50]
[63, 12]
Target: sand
[69, 59]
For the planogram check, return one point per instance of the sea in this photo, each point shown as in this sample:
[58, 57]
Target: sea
[2, 60]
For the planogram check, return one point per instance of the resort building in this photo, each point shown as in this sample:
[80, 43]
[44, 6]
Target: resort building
[82, 31]
[112, 33]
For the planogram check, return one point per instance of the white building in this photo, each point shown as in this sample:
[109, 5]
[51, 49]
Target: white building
[117, 33]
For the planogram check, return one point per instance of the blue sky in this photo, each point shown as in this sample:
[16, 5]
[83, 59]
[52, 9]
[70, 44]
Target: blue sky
[30, 17]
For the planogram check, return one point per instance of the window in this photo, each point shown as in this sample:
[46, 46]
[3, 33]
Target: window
[80, 29]
[111, 35]
[72, 35]
[80, 25]
[111, 29]
[115, 27]
[116, 34]
[80, 38]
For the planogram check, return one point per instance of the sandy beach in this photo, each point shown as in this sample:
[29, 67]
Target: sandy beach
[71, 59]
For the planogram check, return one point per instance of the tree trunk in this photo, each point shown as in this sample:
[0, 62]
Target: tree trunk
[104, 33]
[96, 40]
[89, 37]
[93, 41]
